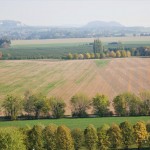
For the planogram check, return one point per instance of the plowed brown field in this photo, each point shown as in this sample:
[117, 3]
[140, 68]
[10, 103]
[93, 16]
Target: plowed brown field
[65, 78]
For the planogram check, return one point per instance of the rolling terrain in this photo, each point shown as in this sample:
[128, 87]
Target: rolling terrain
[65, 78]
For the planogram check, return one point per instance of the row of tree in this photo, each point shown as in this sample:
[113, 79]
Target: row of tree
[108, 54]
[52, 137]
[37, 105]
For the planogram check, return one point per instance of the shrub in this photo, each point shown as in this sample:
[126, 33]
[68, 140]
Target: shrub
[11, 139]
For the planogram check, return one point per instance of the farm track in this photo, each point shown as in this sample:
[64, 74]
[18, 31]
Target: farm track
[65, 78]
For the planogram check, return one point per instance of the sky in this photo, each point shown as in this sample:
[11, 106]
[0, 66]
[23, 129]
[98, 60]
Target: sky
[76, 12]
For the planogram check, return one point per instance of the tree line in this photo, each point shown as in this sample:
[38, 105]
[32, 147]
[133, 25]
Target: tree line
[122, 136]
[100, 51]
[35, 106]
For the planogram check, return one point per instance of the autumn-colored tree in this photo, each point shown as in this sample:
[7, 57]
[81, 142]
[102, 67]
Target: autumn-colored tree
[140, 133]
[101, 104]
[64, 138]
[87, 56]
[35, 138]
[81, 56]
[112, 54]
[78, 138]
[75, 56]
[11, 139]
[92, 55]
[127, 133]
[49, 136]
[115, 137]
[80, 103]
[70, 56]
[103, 142]
[118, 54]
[90, 135]
[57, 105]
[128, 54]
[123, 53]
[13, 106]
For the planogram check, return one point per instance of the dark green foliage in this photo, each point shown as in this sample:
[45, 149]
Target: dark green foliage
[11, 139]
[115, 137]
[35, 138]
[78, 138]
[120, 105]
[148, 127]
[64, 139]
[127, 133]
[4, 43]
[101, 104]
[97, 46]
[49, 136]
[103, 138]
[36, 103]
[44, 51]
[127, 104]
[12, 106]
[145, 106]
[57, 107]
[90, 135]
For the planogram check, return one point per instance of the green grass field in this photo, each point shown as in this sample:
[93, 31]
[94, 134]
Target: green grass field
[75, 123]
[57, 48]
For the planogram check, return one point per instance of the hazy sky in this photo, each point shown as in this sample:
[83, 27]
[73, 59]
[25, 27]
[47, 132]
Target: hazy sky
[76, 12]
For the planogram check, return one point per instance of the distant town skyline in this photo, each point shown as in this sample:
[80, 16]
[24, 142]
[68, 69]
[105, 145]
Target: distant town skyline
[76, 12]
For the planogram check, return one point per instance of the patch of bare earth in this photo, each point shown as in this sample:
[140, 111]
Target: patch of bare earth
[66, 78]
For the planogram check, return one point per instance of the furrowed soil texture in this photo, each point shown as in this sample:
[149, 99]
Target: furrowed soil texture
[66, 78]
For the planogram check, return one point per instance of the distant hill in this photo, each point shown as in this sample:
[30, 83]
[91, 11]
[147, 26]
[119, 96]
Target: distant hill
[18, 30]
[9, 24]
[99, 24]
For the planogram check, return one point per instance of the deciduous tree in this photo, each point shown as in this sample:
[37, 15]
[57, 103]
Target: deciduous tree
[127, 133]
[50, 138]
[115, 137]
[11, 139]
[140, 133]
[35, 138]
[78, 138]
[80, 103]
[101, 104]
[91, 138]
[12, 106]
[64, 138]
[57, 107]
[103, 142]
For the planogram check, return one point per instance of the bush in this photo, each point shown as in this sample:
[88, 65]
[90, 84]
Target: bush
[90, 135]
[35, 138]
[80, 103]
[78, 138]
[49, 136]
[100, 104]
[64, 138]
[11, 139]
[57, 107]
